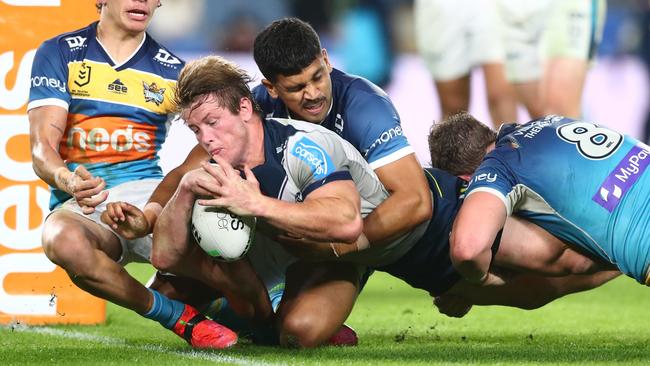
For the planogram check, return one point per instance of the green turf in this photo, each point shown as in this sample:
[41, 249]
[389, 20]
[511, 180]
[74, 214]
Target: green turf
[396, 325]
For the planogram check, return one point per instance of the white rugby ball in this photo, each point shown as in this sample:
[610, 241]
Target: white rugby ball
[222, 234]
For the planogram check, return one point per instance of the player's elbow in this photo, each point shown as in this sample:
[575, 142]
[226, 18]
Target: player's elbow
[463, 248]
[420, 207]
[164, 260]
[350, 230]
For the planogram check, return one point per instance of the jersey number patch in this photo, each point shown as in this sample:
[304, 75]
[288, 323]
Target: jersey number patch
[592, 141]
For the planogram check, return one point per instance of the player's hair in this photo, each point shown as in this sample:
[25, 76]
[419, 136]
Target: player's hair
[213, 76]
[458, 144]
[285, 47]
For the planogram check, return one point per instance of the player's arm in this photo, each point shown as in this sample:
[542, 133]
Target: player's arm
[371, 118]
[330, 212]
[163, 193]
[479, 220]
[409, 193]
[130, 222]
[173, 251]
[47, 125]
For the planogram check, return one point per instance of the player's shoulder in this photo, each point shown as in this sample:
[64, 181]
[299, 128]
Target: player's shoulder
[358, 96]
[259, 91]
[69, 42]
[169, 64]
[354, 86]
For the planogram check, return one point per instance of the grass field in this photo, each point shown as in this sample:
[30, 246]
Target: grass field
[396, 325]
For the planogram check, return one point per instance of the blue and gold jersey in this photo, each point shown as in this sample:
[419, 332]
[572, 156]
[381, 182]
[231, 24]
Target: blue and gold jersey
[583, 183]
[361, 113]
[118, 115]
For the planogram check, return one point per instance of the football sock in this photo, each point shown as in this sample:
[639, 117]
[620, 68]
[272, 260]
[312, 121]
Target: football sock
[164, 310]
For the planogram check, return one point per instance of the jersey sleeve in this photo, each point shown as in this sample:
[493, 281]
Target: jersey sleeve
[495, 178]
[315, 159]
[375, 128]
[49, 78]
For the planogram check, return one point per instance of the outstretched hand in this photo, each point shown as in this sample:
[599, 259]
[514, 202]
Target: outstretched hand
[126, 220]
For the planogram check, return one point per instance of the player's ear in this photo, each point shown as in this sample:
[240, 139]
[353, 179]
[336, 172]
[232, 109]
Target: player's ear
[326, 59]
[465, 177]
[245, 108]
[270, 88]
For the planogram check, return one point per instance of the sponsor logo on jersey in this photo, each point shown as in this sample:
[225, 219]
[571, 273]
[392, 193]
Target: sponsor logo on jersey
[530, 130]
[83, 76]
[384, 138]
[314, 156]
[113, 142]
[48, 82]
[152, 93]
[117, 87]
[487, 177]
[164, 57]
[76, 42]
[623, 177]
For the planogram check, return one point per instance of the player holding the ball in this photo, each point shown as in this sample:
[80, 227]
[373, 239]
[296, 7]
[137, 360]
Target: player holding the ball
[312, 189]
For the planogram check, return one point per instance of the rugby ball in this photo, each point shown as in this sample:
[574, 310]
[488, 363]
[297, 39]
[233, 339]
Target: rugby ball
[222, 234]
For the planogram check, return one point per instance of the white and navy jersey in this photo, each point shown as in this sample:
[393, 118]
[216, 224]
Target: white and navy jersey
[301, 156]
[361, 113]
[583, 183]
[118, 115]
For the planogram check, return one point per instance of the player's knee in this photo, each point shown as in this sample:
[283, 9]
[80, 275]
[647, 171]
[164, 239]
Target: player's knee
[164, 262]
[302, 331]
[65, 246]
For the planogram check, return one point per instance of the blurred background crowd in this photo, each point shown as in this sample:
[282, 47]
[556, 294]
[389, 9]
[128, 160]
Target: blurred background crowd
[377, 39]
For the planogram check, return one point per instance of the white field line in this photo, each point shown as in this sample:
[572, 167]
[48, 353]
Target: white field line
[110, 341]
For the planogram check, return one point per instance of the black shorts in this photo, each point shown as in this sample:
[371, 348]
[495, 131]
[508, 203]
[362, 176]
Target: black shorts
[427, 265]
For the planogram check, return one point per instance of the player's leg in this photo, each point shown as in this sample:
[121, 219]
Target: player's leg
[183, 289]
[527, 248]
[523, 24]
[89, 254]
[501, 98]
[442, 36]
[562, 86]
[569, 43]
[529, 94]
[453, 95]
[521, 291]
[318, 298]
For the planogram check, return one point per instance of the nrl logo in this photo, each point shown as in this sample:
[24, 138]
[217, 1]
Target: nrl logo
[83, 77]
[152, 93]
